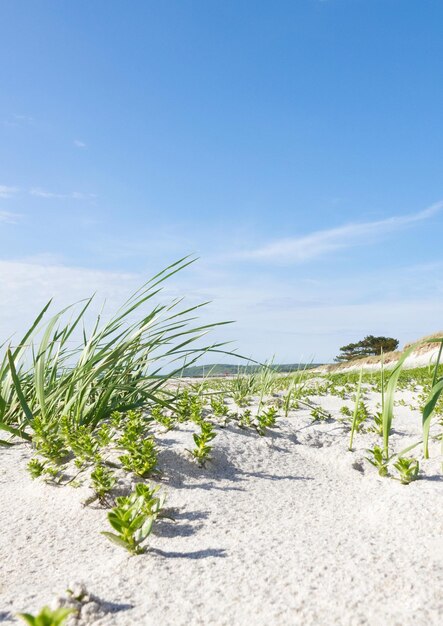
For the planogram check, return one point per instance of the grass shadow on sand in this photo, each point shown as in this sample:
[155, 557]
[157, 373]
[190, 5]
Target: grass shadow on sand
[180, 528]
[186, 474]
[195, 555]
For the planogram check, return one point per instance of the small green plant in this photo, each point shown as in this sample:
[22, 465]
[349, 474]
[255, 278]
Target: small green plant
[168, 422]
[36, 468]
[202, 450]
[134, 429]
[152, 503]
[377, 426]
[266, 419]
[408, 468]
[378, 460]
[218, 407]
[47, 617]
[318, 414]
[293, 391]
[117, 419]
[133, 518]
[104, 434]
[289, 403]
[103, 481]
[188, 407]
[245, 419]
[82, 442]
[346, 411]
[141, 458]
[48, 441]
[360, 417]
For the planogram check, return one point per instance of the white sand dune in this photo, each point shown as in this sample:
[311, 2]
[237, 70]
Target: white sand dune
[290, 528]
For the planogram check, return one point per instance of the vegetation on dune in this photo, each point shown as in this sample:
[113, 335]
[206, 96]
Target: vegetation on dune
[217, 370]
[369, 346]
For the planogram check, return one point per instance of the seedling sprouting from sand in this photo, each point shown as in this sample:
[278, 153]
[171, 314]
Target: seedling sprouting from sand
[158, 415]
[132, 518]
[48, 440]
[82, 442]
[377, 426]
[47, 617]
[188, 407]
[408, 469]
[103, 481]
[134, 428]
[318, 414]
[218, 407]
[104, 434]
[141, 457]
[266, 419]
[359, 418]
[245, 419]
[202, 450]
[378, 460]
[36, 468]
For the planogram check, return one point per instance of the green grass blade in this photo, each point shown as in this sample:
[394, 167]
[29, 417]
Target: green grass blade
[388, 409]
[18, 388]
[357, 404]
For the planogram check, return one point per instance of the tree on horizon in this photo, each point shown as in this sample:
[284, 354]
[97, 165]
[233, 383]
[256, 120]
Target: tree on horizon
[369, 346]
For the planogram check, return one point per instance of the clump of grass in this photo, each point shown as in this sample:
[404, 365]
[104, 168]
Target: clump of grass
[114, 367]
[294, 389]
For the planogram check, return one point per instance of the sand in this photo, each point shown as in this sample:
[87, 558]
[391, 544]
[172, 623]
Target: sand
[290, 528]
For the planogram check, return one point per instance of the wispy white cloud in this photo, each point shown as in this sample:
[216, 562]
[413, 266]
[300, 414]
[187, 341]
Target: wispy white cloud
[79, 144]
[18, 120]
[308, 320]
[75, 195]
[7, 192]
[321, 242]
[9, 218]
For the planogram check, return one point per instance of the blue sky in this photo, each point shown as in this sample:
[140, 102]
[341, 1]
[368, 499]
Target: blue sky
[295, 147]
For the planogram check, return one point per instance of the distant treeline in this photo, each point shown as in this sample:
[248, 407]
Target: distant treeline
[222, 369]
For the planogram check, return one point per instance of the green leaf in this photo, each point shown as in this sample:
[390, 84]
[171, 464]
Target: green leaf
[117, 540]
[28, 618]
[388, 409]
[145, 530]
[427, 413]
